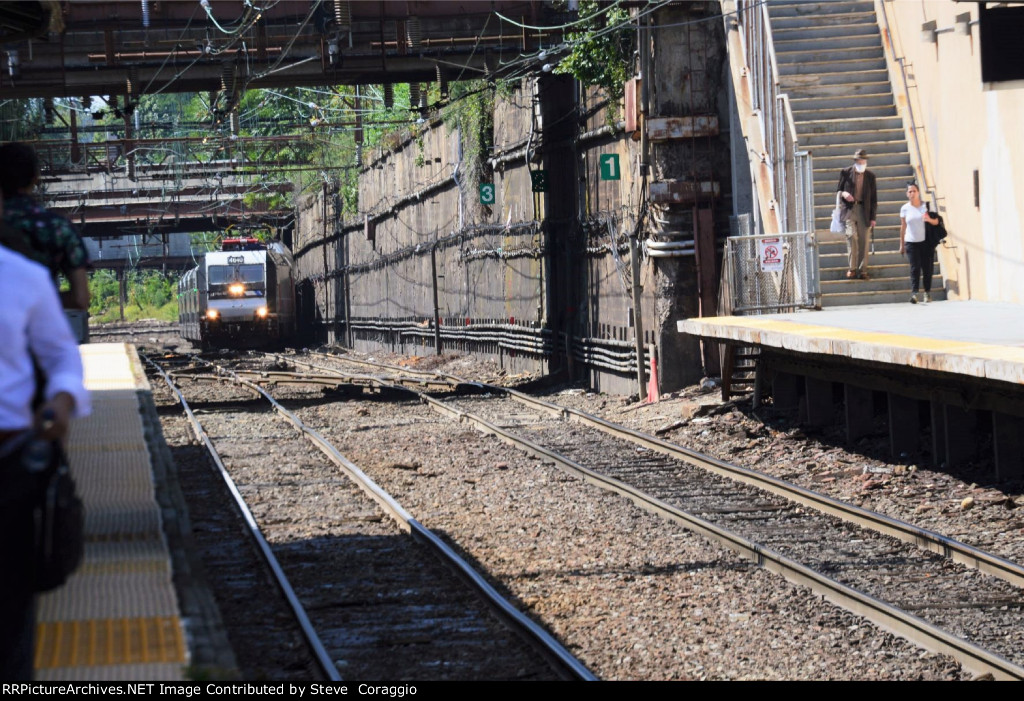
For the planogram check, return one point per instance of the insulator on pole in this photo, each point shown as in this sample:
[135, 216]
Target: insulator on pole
[343, 14]
[442, 83]
[415, 32]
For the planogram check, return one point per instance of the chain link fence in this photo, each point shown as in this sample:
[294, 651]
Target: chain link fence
[775, 273]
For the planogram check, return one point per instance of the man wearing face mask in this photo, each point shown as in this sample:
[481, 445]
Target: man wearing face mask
[857, 190]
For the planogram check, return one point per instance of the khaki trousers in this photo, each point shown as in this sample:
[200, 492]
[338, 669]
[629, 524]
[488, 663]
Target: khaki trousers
[857, 239]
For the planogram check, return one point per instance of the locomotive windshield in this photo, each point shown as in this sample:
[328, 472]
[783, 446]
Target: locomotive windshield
[223, 274]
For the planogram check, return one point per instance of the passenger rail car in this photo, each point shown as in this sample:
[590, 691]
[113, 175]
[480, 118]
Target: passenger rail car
[242, 296]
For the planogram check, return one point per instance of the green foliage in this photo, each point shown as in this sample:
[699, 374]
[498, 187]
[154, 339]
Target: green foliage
[602, 50]
[471, 113]
[20, 119]
[150, 295]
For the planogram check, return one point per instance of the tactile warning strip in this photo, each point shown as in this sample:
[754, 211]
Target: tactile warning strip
[108, 641]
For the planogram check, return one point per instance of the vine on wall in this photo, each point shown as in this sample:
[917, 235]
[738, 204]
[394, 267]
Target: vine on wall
[471, 113]
[602, 51]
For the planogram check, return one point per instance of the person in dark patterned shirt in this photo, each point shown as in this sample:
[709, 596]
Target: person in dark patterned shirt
[45, 237]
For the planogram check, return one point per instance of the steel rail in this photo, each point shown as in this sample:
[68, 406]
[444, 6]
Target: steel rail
[921, 537]
[553, 651]
[884, 615]
[312, 639]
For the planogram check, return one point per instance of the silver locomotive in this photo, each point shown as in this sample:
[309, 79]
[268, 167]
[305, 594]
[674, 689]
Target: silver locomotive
[242, 296]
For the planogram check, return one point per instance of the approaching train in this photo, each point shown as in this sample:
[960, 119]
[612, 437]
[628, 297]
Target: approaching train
[242, 296]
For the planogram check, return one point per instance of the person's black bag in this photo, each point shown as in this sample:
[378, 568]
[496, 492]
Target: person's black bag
[59, 521]
[934, 234]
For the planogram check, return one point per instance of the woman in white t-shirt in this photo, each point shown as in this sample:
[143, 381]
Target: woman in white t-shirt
[913, 217]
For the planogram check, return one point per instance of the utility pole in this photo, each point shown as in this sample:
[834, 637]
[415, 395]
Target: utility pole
[638, 325]
[437, 307]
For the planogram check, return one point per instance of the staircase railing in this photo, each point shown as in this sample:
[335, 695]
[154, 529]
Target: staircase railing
[775, 117]
[787, 169]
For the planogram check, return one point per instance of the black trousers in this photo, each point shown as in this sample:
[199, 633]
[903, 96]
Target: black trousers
[17, 590]
[922, 264]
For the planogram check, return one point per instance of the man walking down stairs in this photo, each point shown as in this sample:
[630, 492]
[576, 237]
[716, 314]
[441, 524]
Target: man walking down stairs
[832, 65]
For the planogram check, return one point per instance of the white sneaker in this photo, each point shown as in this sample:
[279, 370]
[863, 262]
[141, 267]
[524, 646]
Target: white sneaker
[913, 299]
[927, 298]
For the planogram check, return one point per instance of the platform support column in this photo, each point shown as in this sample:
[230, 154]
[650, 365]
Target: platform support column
[859, 412]
[820, 411]
[961, 442]
[938, 412]
[1008, 440]
[785, 390]
[759, 381]
[904, 426]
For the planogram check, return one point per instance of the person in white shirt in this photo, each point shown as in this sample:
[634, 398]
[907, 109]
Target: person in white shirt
[32, 324]
[914, 244]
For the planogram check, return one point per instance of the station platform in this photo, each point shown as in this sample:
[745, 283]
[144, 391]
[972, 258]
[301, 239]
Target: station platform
[965, 359]
[118, 616]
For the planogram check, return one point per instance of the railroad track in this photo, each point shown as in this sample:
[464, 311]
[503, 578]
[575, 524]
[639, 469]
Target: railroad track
[370, 587]
[899, 576]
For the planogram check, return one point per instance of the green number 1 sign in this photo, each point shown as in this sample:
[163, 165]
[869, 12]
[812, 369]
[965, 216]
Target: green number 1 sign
[610, 166]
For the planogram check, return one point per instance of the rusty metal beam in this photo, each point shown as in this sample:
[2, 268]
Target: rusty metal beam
[683, 192]
[670, 128]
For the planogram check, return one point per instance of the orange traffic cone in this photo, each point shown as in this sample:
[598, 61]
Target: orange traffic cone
[652, 384]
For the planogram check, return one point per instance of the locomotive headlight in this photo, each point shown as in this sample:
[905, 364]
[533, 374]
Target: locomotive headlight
[236, 289]
[262, 312]
[212, 314]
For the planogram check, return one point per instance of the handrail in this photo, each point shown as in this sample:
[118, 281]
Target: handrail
[775, 120]
[901, 62]
[785, 171]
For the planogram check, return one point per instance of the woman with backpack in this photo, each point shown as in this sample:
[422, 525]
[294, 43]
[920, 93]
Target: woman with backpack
[914, 244]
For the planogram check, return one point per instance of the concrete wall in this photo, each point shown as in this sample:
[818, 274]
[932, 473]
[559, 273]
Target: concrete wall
[552, 265]
[965, 126]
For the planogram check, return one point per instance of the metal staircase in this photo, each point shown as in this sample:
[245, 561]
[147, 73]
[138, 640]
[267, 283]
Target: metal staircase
[832, 66]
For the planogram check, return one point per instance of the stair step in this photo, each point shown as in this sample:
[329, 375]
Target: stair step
[808, 90]
[810, 43]
[842, 126]
[820, 9]
[891, 190]
[877, 272]
[876, 161]
[884, 221]
[830, 77]
[887, 297]
[840, 156]
[848, 138]
[810, 32]
[854, 67]
[886, 239]
[794, 21]
[883, 98]
[879, 257]
[837, 57]
[851, 111]
[903, 171]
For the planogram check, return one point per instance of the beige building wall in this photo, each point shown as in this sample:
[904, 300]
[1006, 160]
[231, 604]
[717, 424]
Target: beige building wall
[963, 126]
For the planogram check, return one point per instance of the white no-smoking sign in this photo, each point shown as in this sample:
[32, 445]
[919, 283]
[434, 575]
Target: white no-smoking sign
[771, 254]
